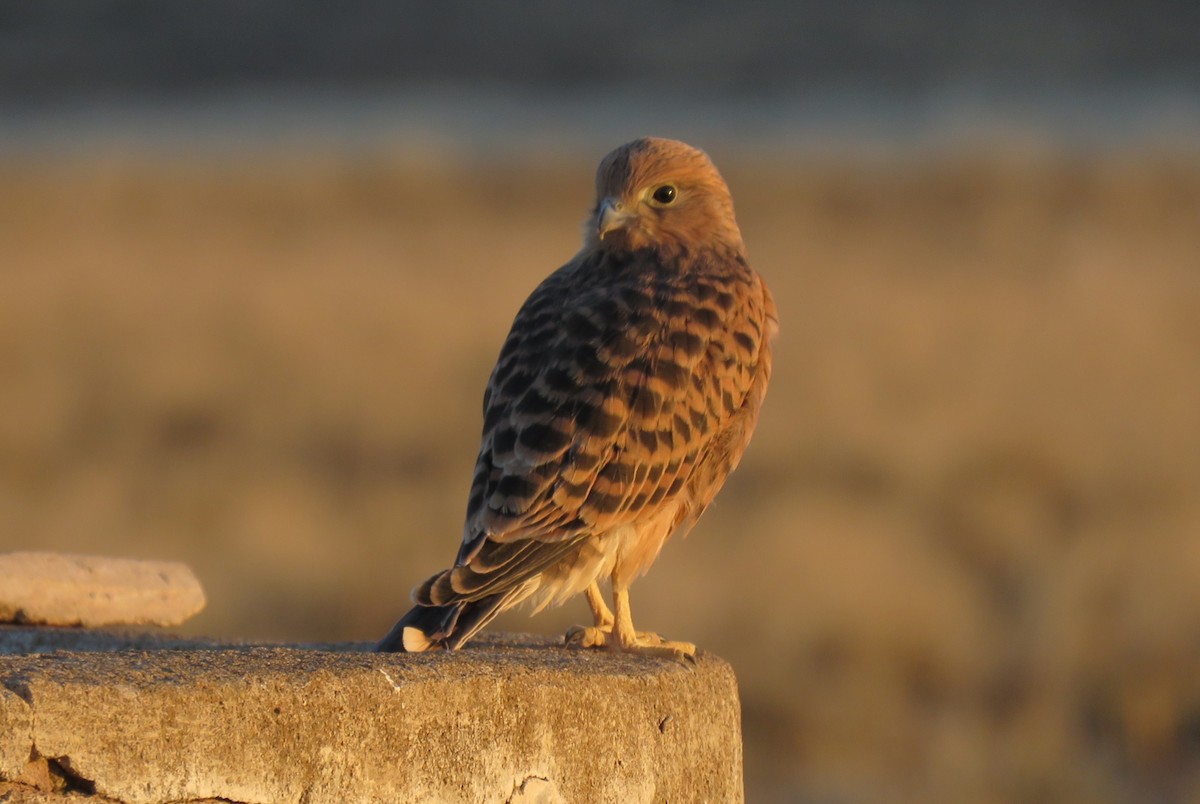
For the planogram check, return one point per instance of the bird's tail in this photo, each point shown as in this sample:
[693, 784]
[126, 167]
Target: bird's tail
[448, 626]
[454, 604]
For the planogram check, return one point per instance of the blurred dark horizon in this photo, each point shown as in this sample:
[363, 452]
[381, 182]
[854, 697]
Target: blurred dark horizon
[790, 75]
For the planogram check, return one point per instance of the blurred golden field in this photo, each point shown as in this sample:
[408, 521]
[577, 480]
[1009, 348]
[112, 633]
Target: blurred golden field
[961, 561]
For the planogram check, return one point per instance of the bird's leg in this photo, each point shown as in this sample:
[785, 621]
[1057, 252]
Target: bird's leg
[600, 612]
[616, 631]
[592, 636]
[627, 639]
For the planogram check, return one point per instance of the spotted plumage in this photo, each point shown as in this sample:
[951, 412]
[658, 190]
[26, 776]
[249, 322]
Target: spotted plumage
[623, 397]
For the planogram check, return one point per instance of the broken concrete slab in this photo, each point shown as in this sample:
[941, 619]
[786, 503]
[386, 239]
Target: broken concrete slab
[72, 590]
[506, 719]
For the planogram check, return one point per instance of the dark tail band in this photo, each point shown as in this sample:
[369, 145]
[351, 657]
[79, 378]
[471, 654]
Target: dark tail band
[448, 626]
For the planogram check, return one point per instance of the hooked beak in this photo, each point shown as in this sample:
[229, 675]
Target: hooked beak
[612, 216]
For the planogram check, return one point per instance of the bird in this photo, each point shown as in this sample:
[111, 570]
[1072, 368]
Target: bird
[624, 395]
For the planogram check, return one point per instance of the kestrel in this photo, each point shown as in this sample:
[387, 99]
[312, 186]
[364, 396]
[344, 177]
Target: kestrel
[623, 397]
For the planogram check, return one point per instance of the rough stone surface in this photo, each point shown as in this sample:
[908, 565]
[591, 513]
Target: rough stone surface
[16, 734]
[18, 640]
[62, 589]
[24, 794]
[510, 719]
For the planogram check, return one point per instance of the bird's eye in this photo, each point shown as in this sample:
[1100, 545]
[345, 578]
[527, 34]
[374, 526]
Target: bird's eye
[664, 195]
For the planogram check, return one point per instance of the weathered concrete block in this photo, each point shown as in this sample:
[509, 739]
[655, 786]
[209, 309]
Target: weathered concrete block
[16, 734]
[62, 589]
[506, 720]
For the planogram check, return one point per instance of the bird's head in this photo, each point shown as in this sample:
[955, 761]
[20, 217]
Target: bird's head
[660, 194]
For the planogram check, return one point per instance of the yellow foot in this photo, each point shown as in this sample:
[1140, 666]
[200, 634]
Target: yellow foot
[581, 636]
[662, 648]
[646, 644]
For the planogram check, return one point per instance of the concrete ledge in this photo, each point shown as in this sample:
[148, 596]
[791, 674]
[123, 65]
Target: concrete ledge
[513, 719]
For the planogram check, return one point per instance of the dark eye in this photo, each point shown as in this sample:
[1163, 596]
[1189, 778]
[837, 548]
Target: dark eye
[664, 195]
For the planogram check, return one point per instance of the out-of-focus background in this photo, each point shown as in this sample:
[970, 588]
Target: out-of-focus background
[256, 260]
